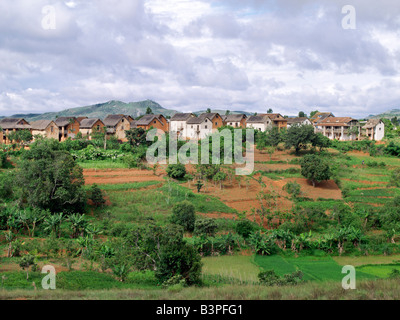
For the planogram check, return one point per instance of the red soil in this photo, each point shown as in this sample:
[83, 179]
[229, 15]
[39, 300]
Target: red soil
[111, 176]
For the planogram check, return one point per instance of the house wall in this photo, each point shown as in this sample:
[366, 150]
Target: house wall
[258, 126]
[51, 132]
[120, 129]
[98, 126]
[237, 124]
[217, 122]
[155, 124]
[379, 131]
[205, 128]
[175, 126]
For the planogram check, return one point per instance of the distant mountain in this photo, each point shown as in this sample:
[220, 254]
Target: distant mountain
[388, 114]
[134, 109]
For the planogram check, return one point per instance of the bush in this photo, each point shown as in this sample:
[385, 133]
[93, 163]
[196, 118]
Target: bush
[96, 196]
[270, 278]
[293, 188]
[245, 228]
[395, 178]
[183, 214]
[206, 227]
[176, 171]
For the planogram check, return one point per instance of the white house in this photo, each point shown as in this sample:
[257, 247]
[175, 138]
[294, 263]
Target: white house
[374, 129]
[202, 126]
[178, 124]
[301, 121]
[261, 123]
[335, 128]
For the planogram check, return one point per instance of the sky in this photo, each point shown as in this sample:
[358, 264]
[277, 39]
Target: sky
[248, 55]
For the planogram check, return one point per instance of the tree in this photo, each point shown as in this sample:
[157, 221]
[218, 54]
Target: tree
[395, 178]
[100, 136]
[315, 169]
[136, 137]
[270, 110]
[299, 136]
[208, 110]
[183, 214]
[220, 177]
[274, 137]
[164, 250]
[245, 228]
[270, 150]
[49, 178]
[27, 262]
[319, 140]
[20, 136]
[176, 171]
[205, 227]
[199, 185]
[96, 196]
[149, 111]
[302, 114]
[313, 113]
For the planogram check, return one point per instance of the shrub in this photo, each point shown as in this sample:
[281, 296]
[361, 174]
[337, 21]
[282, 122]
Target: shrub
[270, 278]
[176, 171]
[315, 169]
[206, 227]
[395, 178]
[183, 214]
[293, 188]
[245, 228]
[96, 196]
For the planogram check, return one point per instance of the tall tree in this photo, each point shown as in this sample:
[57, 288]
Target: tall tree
[149, 111]
[302, 114]
[315, 169]
[49, 178]
[299, 136]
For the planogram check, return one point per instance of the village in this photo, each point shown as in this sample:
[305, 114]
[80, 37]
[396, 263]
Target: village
[188, 126]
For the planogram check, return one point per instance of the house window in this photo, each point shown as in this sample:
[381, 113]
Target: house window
[205, 127]
[122, 128]
[192, 127]
[51, 129]
[155, 122]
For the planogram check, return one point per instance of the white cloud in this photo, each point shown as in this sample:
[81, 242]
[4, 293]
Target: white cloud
[188, 55]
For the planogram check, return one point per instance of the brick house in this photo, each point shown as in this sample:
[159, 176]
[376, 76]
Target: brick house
[155, 121]
[12, 125]
[235, 120]
[45, 128]
[68, 127]
[88, 126]
[259, 122]
[117, 125]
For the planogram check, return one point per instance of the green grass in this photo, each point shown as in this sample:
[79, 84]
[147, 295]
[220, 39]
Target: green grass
[314, 268]
[130, 204]
[127, 186]
[366, 290]
[80, 280]
[105, 164]
[241, 268]
[380, 271]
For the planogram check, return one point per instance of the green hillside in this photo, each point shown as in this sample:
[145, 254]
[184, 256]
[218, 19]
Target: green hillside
[101, 110]
[388, 114]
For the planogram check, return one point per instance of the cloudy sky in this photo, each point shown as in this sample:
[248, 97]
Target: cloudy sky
[251, 55]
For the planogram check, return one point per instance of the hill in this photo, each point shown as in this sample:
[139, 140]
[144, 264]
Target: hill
[388, 114]
[101, 110]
